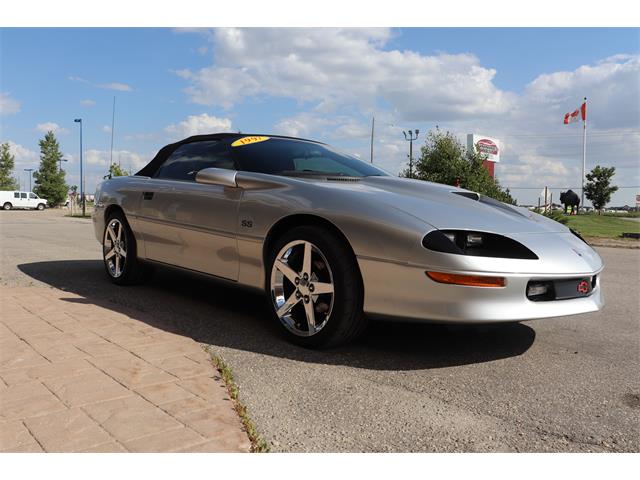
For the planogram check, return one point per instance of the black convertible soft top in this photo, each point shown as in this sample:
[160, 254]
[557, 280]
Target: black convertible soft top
[150, 169]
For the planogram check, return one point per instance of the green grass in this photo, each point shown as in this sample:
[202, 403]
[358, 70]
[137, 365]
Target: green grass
[258, 445]
[607, 226]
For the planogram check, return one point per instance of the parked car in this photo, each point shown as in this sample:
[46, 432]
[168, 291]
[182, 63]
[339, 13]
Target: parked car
[334, 241]
[17, 199]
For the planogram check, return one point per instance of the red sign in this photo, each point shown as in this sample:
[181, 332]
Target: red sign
[487, 146]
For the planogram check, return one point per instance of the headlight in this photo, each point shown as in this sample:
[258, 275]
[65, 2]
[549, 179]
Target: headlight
[474, 239]
[479, 244]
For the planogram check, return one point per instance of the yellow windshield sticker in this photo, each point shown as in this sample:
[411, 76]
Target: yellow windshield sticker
[248, 140]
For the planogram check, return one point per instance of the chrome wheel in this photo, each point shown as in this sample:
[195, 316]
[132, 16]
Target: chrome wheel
[302, 288]
[114, 248]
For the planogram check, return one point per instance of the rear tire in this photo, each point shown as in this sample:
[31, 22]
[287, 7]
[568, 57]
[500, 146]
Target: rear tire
[7, 206]
[307, 317]
[119, 252]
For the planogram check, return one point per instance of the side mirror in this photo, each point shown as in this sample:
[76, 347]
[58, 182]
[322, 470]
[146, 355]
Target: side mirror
[217, 176]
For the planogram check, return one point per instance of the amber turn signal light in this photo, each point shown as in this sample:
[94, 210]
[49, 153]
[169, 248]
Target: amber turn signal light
[468, 280]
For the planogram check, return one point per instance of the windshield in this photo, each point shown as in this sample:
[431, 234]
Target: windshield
[281, 156]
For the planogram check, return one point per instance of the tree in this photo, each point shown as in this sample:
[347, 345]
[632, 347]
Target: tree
[443, 159]
[7, 164]
[116, 170]
[598, 188]
[49, 178]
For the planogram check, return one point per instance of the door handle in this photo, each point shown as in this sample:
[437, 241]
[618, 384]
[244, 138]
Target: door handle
[147, 195]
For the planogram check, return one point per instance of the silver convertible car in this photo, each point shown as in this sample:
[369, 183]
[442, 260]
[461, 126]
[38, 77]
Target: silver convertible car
[334, 241]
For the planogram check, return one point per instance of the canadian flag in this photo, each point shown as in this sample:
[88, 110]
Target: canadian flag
[573, 116]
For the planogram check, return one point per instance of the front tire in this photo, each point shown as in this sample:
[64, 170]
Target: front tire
[119, 251]
[40, 206]
[315, 288]
[7, 206]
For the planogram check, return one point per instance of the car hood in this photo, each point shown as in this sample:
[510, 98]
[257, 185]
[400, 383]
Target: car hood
[445, 207]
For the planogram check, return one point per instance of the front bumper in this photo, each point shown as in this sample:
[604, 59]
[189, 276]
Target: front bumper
[402, 291]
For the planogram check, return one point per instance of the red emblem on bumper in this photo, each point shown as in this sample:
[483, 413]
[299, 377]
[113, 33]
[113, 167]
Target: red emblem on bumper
[583, 287]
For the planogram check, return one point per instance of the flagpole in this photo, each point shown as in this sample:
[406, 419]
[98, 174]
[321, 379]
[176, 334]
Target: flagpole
[373, 123]
[113, 121]
[584, 149]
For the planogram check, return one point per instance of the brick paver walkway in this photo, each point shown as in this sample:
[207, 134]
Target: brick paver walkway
[75, 376]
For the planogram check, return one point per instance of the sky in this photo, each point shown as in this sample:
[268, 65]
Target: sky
[326, 84]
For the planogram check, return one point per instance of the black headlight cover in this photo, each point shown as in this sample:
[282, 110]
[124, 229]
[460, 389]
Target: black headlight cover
[493, 245]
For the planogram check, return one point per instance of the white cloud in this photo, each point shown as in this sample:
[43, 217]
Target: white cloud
[24, 157]
[198, 124]
[88, 103]
[303, 124]
[538, 149]
[122, 87]
[306, 124]
[338, 77]
[8, 105]
[95, 162]
[612, 87]
[96, 165]
[51, 127]
[125, 158]
[332, 67]
[74, 78]
[106, 129]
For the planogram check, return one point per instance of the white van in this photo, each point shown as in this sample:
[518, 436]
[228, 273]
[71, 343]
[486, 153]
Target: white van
[15, 199]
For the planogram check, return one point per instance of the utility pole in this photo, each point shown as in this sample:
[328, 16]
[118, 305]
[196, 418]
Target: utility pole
[410, 138]
[79, 120]
[584, 150]
[113, 121]
[373, 123]
[29, 170]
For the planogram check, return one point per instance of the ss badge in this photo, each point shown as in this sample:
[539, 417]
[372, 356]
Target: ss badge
[246, 223]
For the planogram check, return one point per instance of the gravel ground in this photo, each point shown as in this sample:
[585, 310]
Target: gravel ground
[566, 384]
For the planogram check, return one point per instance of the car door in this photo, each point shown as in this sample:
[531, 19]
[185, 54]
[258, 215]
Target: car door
[33, 200]
[188, 224]
[24, 200]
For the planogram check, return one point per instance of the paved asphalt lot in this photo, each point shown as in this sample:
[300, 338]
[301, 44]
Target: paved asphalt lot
[567, 384]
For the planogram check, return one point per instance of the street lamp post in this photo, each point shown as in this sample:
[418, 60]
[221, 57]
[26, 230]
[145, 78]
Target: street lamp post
[79, 120]
[29, 170]
[410, 138]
